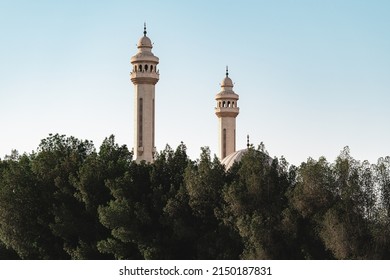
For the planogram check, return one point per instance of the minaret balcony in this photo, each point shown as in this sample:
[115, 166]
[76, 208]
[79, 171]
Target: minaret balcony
[144, 77]
[227, 111]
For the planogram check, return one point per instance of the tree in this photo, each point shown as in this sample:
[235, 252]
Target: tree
[254, 202]
[344, 230]
[127, 215]
[309, 200]
[381, 230]
[57, 166]
[170, 202]
[204, 182]
[67, 201]
[22, 212]
[7, 253]
[111, 162]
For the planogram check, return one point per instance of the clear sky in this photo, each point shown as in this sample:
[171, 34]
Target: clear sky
[313, 76]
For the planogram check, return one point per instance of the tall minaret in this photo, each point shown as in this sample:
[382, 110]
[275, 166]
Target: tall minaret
[227, 112]
[144, 77]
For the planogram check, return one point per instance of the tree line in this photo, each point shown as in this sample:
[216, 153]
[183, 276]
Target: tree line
[69, 201]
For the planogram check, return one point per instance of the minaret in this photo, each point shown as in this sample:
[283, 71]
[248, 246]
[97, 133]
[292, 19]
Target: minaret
[144, 77]
[227, 112]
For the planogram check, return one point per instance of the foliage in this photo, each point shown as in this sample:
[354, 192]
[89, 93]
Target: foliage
[68, 201]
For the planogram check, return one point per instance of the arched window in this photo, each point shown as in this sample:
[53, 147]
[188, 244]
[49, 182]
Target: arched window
[233, 104]
[135, 68]
[146, 67]
[151, 68]
[228, 104]
[140, 68]
[223, 104]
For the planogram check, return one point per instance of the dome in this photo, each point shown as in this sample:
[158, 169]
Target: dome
[227, 82]
[144, 42]
[144, 54]
[229, 160]
[232, 158]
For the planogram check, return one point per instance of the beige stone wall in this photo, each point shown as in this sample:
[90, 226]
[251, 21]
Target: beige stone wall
[144, 119]
[227, 137]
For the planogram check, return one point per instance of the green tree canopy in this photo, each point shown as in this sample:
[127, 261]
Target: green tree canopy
[69, 201]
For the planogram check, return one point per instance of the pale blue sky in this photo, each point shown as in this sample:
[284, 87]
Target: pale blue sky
[313, 76]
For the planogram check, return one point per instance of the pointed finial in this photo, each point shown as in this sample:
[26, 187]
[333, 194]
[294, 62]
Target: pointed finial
[144, 28]
[247, 141]
[227, 71]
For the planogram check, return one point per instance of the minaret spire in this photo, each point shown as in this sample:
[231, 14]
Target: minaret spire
[227, 71]
[144, 28]
[247, 141]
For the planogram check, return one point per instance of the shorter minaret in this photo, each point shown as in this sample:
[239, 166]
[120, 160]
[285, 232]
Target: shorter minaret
[227, 111]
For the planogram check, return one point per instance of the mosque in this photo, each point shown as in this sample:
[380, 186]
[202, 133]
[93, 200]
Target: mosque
[144, 76]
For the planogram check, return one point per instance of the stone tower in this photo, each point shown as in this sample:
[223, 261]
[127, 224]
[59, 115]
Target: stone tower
[144, 77]
[227, 111]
